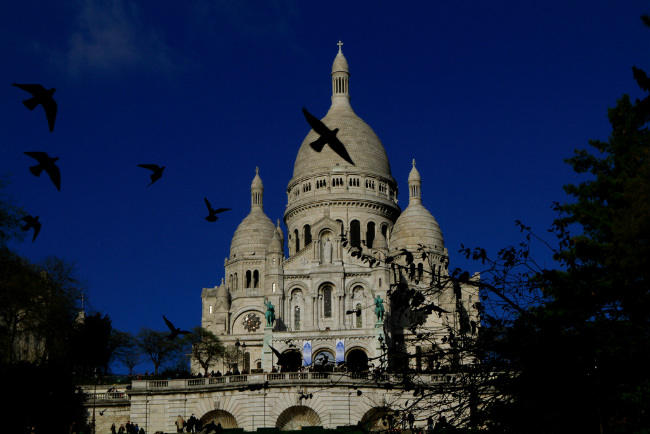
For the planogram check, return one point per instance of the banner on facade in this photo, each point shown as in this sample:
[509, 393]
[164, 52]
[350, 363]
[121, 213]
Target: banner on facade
[340, 351]
[306, 353]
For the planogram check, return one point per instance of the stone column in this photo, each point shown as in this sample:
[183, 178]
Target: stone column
[267, 353]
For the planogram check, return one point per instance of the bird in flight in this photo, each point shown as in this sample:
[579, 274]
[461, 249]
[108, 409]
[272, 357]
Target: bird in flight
[283, 359]
[40, 96]
[31, 222]
[326, 136]
[212, 213]
[174, 331]
[157, 171]
[101, 413]
[45, 162]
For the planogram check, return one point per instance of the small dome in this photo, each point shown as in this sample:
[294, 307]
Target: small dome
[253, 234]
[256, 230]
[222, 291]
[380, 242]
[416, 225]
[275, 245]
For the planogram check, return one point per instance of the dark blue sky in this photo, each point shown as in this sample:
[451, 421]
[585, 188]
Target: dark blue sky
[488, 97]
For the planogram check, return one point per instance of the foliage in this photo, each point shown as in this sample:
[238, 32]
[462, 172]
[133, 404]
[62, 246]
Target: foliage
[38, 317]
[90, 345]
[207, 348]
[10, 215]
[232, 356]
[20, 311]
[564, 349]
[42, 396]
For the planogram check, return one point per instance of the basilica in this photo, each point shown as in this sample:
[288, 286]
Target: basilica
[322, 306]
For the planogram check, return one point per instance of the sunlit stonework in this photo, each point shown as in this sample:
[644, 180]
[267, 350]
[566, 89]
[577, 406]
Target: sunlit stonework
[324, 310]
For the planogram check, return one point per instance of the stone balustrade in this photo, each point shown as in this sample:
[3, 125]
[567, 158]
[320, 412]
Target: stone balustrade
[286, 378]
[105, 396]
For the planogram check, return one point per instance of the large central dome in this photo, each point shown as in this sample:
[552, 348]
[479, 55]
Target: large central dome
[360, 140]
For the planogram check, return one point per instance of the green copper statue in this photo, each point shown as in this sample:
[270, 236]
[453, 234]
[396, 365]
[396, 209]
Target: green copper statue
[270, 312]
[379, 308]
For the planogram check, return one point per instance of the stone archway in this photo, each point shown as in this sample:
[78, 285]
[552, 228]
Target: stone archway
[357, 360]
[222, 417]
[296, 417]
[377, 419]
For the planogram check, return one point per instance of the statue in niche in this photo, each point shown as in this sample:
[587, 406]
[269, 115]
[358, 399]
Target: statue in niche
[327, 251]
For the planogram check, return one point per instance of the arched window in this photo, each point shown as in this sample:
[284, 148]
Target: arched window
[370, 234]
[236, 282]
[296, 318]
[297, 239]
[359, 316]
[384, 230]
[248, 278]
[256, 279]
[355, 233]
[327, 302]
[307, 235]
[341, 226]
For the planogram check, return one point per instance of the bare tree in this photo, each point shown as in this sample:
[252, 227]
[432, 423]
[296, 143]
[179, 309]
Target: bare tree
[156, 345]
[207, 348]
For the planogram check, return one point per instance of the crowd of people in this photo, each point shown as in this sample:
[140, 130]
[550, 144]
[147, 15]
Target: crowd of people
[193, 424]
[128, 428]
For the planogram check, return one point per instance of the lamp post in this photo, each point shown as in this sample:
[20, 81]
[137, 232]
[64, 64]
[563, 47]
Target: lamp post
[94, 401]
[237, 345]
[243, 346]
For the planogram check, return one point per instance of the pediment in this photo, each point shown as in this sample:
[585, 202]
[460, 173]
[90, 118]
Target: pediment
[326, 223]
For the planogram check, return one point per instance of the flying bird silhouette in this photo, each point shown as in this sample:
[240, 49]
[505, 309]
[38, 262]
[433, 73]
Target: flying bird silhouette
[101, 413]
[356, 312]
[31, 222]
[326, 136]
[156, 169]
[174, 331]
[45, 162]
[40, 96]
[283, 359]
[212, 217]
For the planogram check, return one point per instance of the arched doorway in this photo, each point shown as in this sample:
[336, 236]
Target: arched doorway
[222, 417]
[357, 360]
[378, 419]
[324, 361]
[296, 417]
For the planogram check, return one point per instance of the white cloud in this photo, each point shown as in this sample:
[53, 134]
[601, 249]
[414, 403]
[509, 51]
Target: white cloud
[110, 37]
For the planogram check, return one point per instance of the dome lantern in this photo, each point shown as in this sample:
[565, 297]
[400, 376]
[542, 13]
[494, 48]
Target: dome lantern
[340, 80]
[415, 183]
[257, 191]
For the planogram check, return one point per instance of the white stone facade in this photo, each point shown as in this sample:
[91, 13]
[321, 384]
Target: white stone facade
[314, 288]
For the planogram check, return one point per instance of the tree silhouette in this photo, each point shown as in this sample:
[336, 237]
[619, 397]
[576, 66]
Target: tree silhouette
[561, 349]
